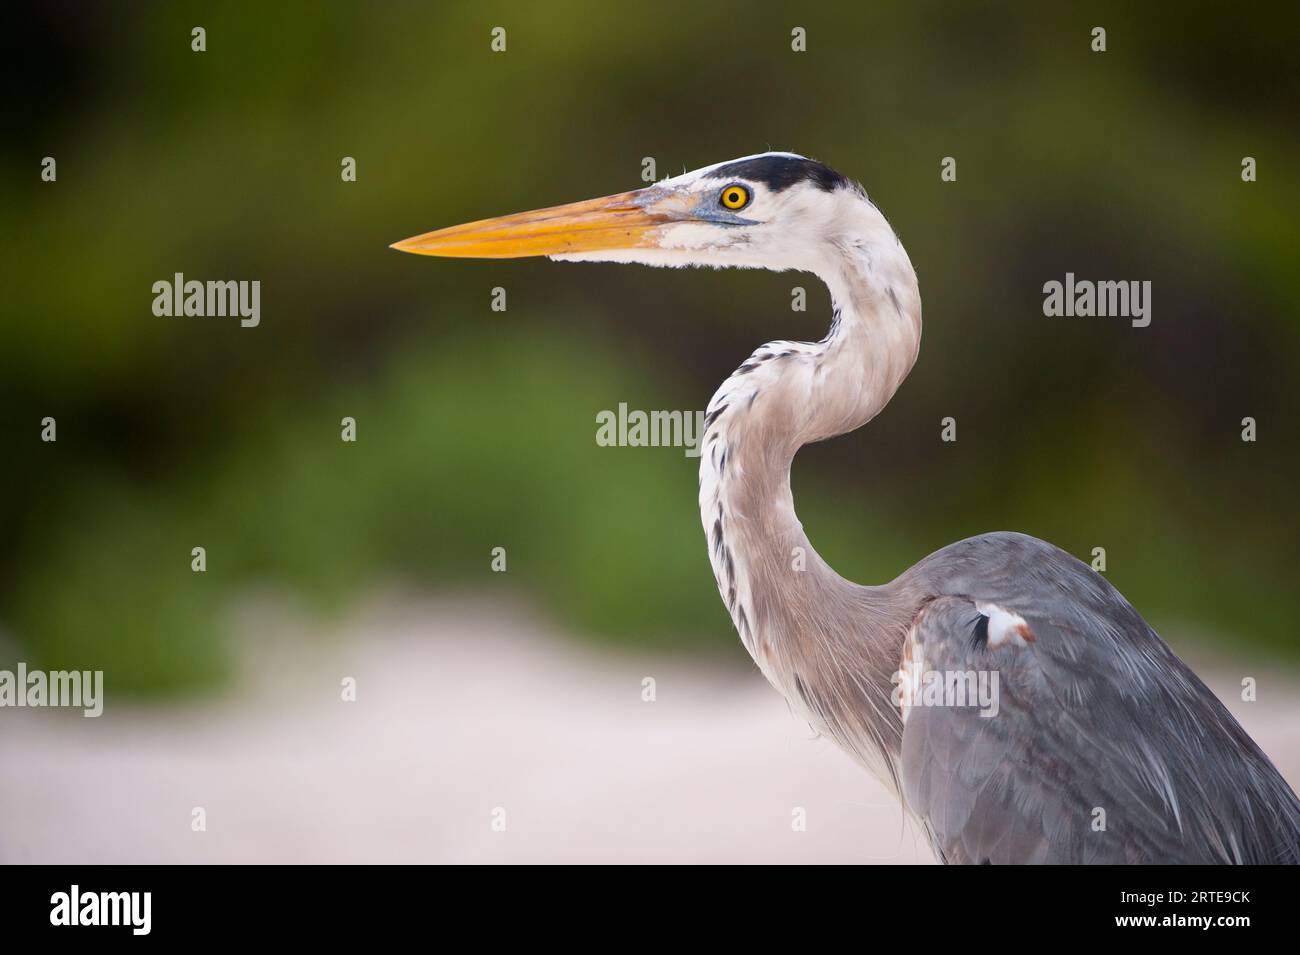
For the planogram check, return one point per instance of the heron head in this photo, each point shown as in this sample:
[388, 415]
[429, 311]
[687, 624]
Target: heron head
[774, 210]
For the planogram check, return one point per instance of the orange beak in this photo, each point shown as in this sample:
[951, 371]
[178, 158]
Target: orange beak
[620, 221]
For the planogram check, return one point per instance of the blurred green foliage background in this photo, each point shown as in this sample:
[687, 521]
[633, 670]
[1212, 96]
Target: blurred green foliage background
[476, 428]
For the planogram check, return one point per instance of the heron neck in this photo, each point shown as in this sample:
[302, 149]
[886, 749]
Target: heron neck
[785, 395]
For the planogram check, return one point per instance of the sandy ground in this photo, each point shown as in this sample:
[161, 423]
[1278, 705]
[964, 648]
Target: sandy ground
[463, 710]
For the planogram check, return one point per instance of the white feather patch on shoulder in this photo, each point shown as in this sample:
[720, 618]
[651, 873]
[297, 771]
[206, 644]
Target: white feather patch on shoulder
[1005, 627]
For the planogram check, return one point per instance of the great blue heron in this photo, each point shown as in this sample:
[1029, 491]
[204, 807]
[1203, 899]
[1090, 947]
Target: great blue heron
[1104, 746]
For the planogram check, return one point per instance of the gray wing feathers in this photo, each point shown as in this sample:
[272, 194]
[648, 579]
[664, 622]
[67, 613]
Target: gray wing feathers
[1094, 716]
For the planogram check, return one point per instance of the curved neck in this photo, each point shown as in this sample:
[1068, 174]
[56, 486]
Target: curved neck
[785, 395]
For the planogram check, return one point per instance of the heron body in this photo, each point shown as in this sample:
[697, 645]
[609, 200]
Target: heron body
[1102, 745]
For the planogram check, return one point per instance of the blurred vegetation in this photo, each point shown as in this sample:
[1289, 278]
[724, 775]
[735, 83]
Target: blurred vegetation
[476, 429]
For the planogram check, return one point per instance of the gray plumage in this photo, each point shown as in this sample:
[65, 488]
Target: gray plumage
[1105, 746]
[1098, 714]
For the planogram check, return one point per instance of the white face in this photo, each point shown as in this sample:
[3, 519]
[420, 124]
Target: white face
[770, 211]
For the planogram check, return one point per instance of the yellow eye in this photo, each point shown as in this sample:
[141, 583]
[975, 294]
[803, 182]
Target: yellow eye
[735, 197]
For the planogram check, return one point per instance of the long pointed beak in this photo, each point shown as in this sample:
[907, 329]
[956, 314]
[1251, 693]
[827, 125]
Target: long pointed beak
[621, 221]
